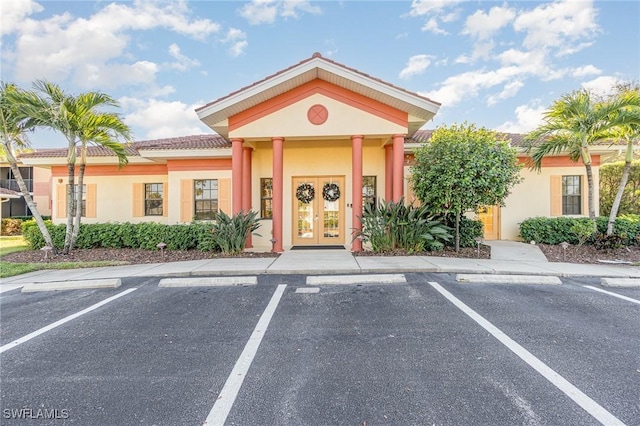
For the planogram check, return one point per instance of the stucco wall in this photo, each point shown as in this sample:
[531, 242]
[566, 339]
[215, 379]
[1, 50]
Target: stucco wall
[532, 197]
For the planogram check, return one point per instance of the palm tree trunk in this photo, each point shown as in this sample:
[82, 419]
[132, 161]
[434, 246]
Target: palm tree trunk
[78, 203]
[592, 207]
[70, 203]
[13, 164]
[623, 182]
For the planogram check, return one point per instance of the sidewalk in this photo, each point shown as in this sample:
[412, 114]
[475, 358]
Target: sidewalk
[508, 258]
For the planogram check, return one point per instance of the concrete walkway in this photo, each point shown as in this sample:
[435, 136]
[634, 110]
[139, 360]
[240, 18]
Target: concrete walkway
[507, 258]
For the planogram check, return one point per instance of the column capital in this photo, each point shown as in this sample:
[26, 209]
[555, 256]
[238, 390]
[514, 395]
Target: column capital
[277, 138]
[236, 140]
[398, 135]
[357, 137]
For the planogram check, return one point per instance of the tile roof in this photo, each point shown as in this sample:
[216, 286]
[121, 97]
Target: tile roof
[176, 143]
[515, 139]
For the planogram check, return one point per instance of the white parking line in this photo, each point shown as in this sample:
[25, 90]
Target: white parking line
[226, 398]
[62, 321]
[587, 404]
[610, 293]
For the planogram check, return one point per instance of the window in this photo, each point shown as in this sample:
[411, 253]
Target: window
[266, 198]
[206, 198]
[369, 192]
[153, 199]
[571, 195]
[75, 197]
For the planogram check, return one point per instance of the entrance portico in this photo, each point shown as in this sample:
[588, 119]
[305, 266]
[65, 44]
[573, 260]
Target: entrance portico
[317, 125]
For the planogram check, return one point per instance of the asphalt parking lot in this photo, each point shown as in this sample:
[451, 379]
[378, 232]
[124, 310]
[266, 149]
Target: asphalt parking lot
[428, 351]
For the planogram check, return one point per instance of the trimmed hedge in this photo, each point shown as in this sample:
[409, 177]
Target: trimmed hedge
[144, 235]
[558, 229]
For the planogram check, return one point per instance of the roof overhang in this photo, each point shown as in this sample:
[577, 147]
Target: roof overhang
[419, 109]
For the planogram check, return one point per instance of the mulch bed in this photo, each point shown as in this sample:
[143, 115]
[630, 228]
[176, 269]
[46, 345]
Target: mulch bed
[132, 256]
[589, 254]
[573, 254]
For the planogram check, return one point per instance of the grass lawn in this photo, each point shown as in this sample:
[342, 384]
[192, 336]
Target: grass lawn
[14, 244]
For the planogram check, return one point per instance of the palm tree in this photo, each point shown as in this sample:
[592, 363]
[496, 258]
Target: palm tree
[80, 121]
[573, 124]
[629, 131]
[99, 129]
[12, 133]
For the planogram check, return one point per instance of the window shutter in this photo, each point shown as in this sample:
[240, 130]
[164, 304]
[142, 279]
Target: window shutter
[165, 196]
[186, 200]
[61, 201]
[224, 195]
[584, 196]
[138, 199]
[91, 200]
[556, 195]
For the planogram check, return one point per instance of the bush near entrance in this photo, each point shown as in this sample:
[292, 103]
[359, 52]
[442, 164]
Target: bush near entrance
[556, 230]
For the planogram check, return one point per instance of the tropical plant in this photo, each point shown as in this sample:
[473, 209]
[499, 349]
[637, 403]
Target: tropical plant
[629, 131]
[395, 226]
[462, 168]
[81, 121]
[610, 180]
[12, 131]
[573, 124]
[230, 232]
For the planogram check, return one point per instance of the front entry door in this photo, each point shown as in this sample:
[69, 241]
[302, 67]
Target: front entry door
[318, 210]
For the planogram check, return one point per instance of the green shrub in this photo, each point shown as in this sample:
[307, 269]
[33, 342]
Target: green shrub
[230, 233]
[34, 238]
[573, 229]
[147, 235]
[392, 226]
[470, 229]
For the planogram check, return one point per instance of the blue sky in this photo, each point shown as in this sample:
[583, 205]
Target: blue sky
[496, 64]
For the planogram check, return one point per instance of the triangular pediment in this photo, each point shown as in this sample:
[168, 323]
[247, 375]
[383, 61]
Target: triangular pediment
[217, 114]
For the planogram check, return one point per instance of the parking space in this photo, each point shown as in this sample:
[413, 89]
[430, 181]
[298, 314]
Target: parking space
[348, 354]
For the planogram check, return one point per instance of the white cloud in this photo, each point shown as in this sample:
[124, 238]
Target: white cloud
[602, 86]
[586, 70]
[416, 65]
[290, 8]
[183, 63]
[92, 50]
[528, 117]
[467, 85]
[267, 11]
[237, 39]
[483, 25]
[425, 7]
[432, 26]
[14, 12]
[113, 75]
[510, 90]
[434, 11]
[162, 119]
[557, 24]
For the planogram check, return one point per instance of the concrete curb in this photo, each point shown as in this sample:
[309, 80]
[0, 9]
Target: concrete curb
[72, 285]
[208, 282]
[356, 279]
[621, 282]
[507, 279]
